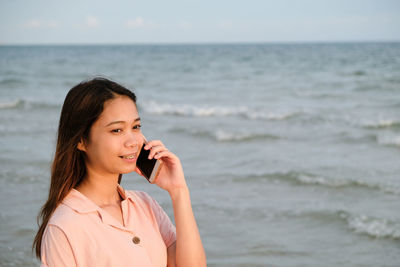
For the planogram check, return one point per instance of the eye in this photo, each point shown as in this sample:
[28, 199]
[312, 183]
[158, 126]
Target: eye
[116, 131]
[137, 126]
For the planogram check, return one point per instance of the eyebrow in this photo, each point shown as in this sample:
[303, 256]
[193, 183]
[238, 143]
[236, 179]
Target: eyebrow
[116, 122]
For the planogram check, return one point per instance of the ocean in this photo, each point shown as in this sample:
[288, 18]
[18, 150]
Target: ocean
[291, 151]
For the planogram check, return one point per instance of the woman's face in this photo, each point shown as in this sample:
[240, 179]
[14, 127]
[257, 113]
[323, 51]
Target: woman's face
[114, 139]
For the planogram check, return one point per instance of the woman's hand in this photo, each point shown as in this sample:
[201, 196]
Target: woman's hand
[170, 176]
[188, 249]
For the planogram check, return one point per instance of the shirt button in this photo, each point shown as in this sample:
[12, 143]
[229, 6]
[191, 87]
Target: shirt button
[136, 240]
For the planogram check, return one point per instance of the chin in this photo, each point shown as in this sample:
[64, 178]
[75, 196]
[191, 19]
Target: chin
[127, 170]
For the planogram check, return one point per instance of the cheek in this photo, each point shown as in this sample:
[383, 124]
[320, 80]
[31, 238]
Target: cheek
[103, 147]
[140, 139]
[110, 146]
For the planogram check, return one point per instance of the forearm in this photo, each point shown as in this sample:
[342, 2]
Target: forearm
[189, 249]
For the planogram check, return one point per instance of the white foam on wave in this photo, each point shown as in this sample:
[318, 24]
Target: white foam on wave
[382, 123]
[389, 140]
[224, 136]
[28, 104]
[10, 104]
[272, 116]
[153, 107]
[337, 183]
[374, 227]
[319, 180]
[390, 189]
[189, 110]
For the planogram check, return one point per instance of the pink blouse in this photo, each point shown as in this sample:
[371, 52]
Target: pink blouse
[80, 233]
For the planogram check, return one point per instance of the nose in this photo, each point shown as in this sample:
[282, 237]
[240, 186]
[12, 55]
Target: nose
[134, 140]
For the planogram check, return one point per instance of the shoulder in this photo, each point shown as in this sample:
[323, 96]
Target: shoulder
[65, 226]
[64, 216]
[75, 210]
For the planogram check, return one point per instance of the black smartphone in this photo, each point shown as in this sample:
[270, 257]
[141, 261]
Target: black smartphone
[148, 167]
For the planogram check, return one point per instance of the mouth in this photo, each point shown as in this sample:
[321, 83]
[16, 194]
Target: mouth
[129, 156]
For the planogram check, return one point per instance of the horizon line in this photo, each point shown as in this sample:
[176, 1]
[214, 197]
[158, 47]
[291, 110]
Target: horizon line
[198, 43]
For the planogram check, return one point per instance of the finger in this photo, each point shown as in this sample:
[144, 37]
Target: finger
[155, 150]
[152, 143]
[164, 154]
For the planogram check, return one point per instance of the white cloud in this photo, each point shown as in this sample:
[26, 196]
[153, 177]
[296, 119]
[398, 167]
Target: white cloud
[134, 23]
[92, 22]
[139, 22]
[40, 24]
[33, 24]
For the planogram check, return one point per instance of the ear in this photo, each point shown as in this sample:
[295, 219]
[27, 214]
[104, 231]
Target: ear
[81, 146]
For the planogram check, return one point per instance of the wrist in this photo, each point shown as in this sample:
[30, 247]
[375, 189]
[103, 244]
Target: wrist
[178, 192]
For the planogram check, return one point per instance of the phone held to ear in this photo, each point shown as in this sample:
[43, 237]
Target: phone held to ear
[149, 167]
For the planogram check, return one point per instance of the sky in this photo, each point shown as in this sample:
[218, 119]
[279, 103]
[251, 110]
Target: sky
[197, 21]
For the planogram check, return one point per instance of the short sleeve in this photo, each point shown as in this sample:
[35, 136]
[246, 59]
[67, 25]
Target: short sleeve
[56, 249]
[167, 228]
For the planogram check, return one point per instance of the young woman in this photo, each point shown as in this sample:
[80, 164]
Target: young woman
[89, 219]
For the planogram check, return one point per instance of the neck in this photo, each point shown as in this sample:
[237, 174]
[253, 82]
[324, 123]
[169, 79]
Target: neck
[101, 189]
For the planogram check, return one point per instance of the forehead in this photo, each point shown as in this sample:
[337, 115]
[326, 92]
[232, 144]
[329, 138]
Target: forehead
[121, 108]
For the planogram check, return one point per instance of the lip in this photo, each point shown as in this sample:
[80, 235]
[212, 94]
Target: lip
[133, 159]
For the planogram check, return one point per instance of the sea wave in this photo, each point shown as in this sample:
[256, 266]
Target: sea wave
[301, 178]
[227, 136]
[389, 140]
[359, 73]
[24, 104]
[383, 123]
[11, 104]
[11, 82]
[374, 227]
[224, 136]
[155, 108]
[358, 223]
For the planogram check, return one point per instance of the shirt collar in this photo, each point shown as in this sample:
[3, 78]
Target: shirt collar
[82, 204]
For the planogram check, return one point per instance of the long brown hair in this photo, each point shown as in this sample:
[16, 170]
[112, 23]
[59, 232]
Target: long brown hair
[82, 106]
